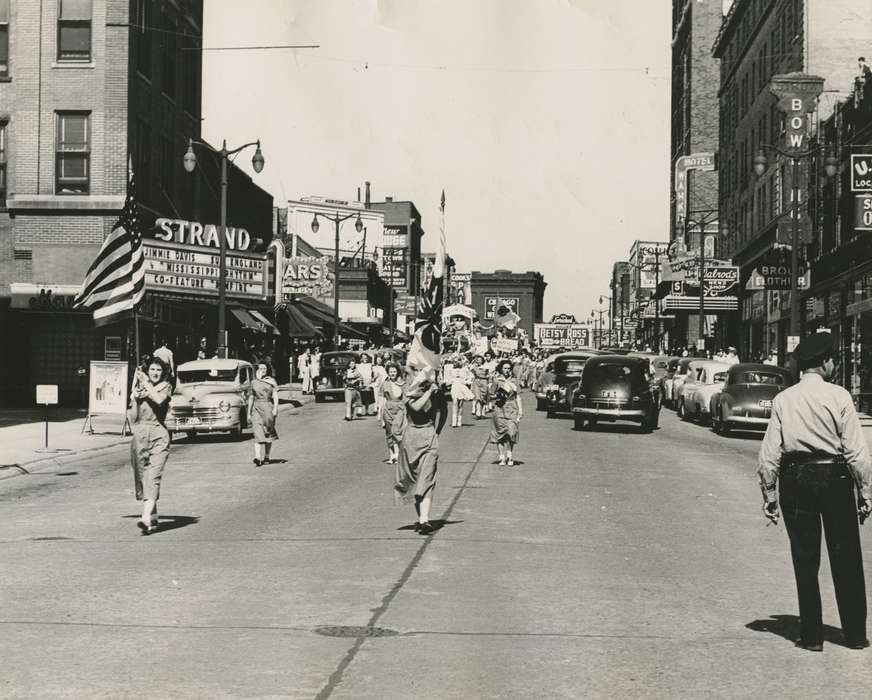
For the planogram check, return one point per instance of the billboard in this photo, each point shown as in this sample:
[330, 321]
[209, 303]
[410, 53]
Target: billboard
[312, 276]
[394, 265]
[562, 335]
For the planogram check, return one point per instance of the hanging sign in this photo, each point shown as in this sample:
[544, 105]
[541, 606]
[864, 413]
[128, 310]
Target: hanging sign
[861, 172]
[304, 275]
[797, 95]
[863, 212]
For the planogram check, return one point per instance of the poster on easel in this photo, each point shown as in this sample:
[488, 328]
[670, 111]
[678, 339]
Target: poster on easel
[107, 391]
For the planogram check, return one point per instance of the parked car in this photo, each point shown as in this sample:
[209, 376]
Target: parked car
[546, 380]
[668, 381]
[685, 372]
[616, 387]
[698, 390]
[745, 402]
[331, 379]
[211, 396]
[567, 370]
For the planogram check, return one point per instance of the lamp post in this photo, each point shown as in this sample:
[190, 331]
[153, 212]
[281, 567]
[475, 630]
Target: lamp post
[190, 163]
[831, 165]
[609, 314]
[706, 216]
[358, 226]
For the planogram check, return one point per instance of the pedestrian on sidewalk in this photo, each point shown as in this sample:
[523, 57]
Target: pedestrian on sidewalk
[815, 452]
[507, 412]
[304, 364]
[353, 384]
[392, 405]
[419, 445]
[263, 407]
[150, 444]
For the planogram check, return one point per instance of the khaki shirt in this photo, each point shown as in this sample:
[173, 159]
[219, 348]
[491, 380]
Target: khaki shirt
[814, 417]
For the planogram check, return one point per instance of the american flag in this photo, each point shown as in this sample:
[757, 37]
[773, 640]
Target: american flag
[115, 282]
[426, 350]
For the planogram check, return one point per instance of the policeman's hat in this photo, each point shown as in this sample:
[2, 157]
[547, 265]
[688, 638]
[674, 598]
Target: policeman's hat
[814, 350]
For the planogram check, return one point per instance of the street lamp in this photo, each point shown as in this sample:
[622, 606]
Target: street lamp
[190, 163]
[830, 166]
[358, 226]
[609, 313]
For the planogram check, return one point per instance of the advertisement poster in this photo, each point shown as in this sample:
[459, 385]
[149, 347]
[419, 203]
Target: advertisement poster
[107, 390]
[553, 335]
[504, 345]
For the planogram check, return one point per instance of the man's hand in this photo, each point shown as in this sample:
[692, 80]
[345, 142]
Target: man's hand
[770, 510]
[864, 510]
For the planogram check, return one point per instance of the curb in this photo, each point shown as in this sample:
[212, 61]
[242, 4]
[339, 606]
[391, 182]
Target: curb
[9, 471]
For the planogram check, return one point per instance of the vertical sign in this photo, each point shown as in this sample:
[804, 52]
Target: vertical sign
[797, 95]
[694, 161]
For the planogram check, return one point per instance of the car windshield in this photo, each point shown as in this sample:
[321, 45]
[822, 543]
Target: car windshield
[760, 378]
[615, 371]
[337, 360]
[211, 374]
[570, 365]
[719, 377]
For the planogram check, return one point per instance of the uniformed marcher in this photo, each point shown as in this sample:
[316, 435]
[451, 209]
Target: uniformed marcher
[815, 452]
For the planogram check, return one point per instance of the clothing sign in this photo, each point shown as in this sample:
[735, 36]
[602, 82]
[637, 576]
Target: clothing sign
[47, 394]
[490, 304]
[554, 335]
[107, 388]
[861, 172]
[187, 269]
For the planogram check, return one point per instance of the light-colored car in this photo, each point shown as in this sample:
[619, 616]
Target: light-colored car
[211, 396]
[696, 394]
[672, 385]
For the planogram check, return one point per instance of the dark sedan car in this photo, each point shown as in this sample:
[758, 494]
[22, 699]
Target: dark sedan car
[616, 387]
[567, 368]
[745, 402]
[331, 383]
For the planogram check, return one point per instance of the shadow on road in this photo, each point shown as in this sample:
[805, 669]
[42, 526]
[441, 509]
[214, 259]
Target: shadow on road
[615, 429]
[171, 522]
[437, 524]
[787, 626]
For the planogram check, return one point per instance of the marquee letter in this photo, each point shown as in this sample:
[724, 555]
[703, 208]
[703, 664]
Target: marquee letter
[243, 239]
[230, 237]
[211, 234]
[165, 226]
[196, 233]
[795, 104]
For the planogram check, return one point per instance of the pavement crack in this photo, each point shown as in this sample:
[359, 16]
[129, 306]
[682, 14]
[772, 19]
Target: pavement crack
[336, 677]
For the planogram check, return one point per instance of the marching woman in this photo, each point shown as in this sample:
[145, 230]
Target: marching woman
[480, 382]
[353, 385]
[364, 367]
[461, 378]
[263, 406]
[391, 396]
[419, 446]
[150, 446]
[507, 412]
[379, 373]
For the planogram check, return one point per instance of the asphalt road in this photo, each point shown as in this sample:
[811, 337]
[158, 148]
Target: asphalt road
[608, 563]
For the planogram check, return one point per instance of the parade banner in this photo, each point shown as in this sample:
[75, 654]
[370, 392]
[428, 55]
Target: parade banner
[107, 388]
[561, 335]
[504, 345]
[187, 269]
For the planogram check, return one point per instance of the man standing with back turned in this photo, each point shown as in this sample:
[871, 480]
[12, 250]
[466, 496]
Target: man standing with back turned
[814, 447]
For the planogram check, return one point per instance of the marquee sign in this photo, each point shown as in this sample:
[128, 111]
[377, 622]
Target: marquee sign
[197, 234]
[188, 269]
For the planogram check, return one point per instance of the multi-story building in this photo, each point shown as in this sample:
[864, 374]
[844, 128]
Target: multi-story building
[86, 88]
[619, 307]
[522, 292]
[694, 130]
[756, 41]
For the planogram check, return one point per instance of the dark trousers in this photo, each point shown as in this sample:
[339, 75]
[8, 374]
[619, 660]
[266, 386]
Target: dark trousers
[809, 494]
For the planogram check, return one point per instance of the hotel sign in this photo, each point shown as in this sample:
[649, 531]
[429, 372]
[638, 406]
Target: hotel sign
[188, 269]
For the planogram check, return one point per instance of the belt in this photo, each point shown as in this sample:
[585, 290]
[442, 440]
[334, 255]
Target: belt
[794, 459]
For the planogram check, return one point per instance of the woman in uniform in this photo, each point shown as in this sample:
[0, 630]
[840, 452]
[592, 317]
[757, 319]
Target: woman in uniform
[150, 446]
[507, 412]
[461, 378]
[419, 446]
[391, 397]
[263, 406]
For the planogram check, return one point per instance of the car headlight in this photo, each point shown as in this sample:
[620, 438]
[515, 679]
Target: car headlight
[324, 381]
[552, 387]
[224, 406]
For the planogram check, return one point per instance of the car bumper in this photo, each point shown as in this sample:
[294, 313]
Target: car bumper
[624, 413]
[203, 425]
[333, 392]
[749, 421]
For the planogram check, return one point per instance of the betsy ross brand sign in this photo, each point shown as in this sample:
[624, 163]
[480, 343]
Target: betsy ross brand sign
[554, 335]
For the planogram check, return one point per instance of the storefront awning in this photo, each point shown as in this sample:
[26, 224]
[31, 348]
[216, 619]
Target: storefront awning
[270, 328]
[672, 302]
[254, 321]
[315, 313]
[298, 325]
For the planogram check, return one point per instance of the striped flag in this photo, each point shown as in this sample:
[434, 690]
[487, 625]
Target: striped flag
[426, 350]
[115, 282]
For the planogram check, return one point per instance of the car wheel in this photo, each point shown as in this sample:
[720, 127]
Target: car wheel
[716, 423]
[319, 398]
[578, 422]
[725, 427]
[704, 418]
[655, 422]
[540, 404]
[679, 409]
[191, 434]
[549, 413]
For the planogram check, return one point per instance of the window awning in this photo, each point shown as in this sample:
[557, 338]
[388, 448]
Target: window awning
[314, 311]
[254, 321]
[267, 324]
[298, 325]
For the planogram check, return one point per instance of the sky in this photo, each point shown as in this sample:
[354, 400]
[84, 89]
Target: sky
[546, 122]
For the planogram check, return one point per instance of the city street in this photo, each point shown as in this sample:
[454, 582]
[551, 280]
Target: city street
[608, 563]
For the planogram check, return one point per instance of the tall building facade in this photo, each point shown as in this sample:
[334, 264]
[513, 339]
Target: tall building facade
[87, 86]
[619, 307]
[756, 41]
[522, 292]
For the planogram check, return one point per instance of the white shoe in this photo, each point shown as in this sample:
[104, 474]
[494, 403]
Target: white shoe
[502, 461]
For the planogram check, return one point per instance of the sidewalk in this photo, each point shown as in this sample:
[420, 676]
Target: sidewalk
[22, 433]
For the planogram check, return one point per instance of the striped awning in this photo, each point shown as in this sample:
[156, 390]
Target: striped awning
[672, 302]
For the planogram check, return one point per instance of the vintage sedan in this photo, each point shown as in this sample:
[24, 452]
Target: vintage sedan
[745, 402]
[545, 380]
[696, 394]
[331, 378]
[567, 371]
[616, 387]
[211, 396]
[672, 385]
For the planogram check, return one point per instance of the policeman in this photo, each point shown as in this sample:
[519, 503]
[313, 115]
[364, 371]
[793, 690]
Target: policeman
[813, 446]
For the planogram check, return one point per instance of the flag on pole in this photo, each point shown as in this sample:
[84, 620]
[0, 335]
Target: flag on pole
[115, 282]
[426, 350]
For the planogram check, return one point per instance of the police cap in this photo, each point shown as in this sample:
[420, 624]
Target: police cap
[814, 349]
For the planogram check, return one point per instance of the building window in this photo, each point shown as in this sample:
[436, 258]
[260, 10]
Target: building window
[74, 30]
[4, 38]
[168, 56]
[2, 164]
[73, 153]
[143, 34]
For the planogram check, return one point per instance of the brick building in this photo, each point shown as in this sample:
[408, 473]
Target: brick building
[756, 41]
[523, 292]
[84, 83]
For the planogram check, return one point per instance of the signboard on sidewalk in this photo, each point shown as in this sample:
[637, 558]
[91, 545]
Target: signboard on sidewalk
[554, 335]
[47, 394]
[107, 388]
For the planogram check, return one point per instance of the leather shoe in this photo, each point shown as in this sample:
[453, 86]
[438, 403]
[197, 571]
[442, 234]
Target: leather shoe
[863, 644]
[426, 528]
[818, 646]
